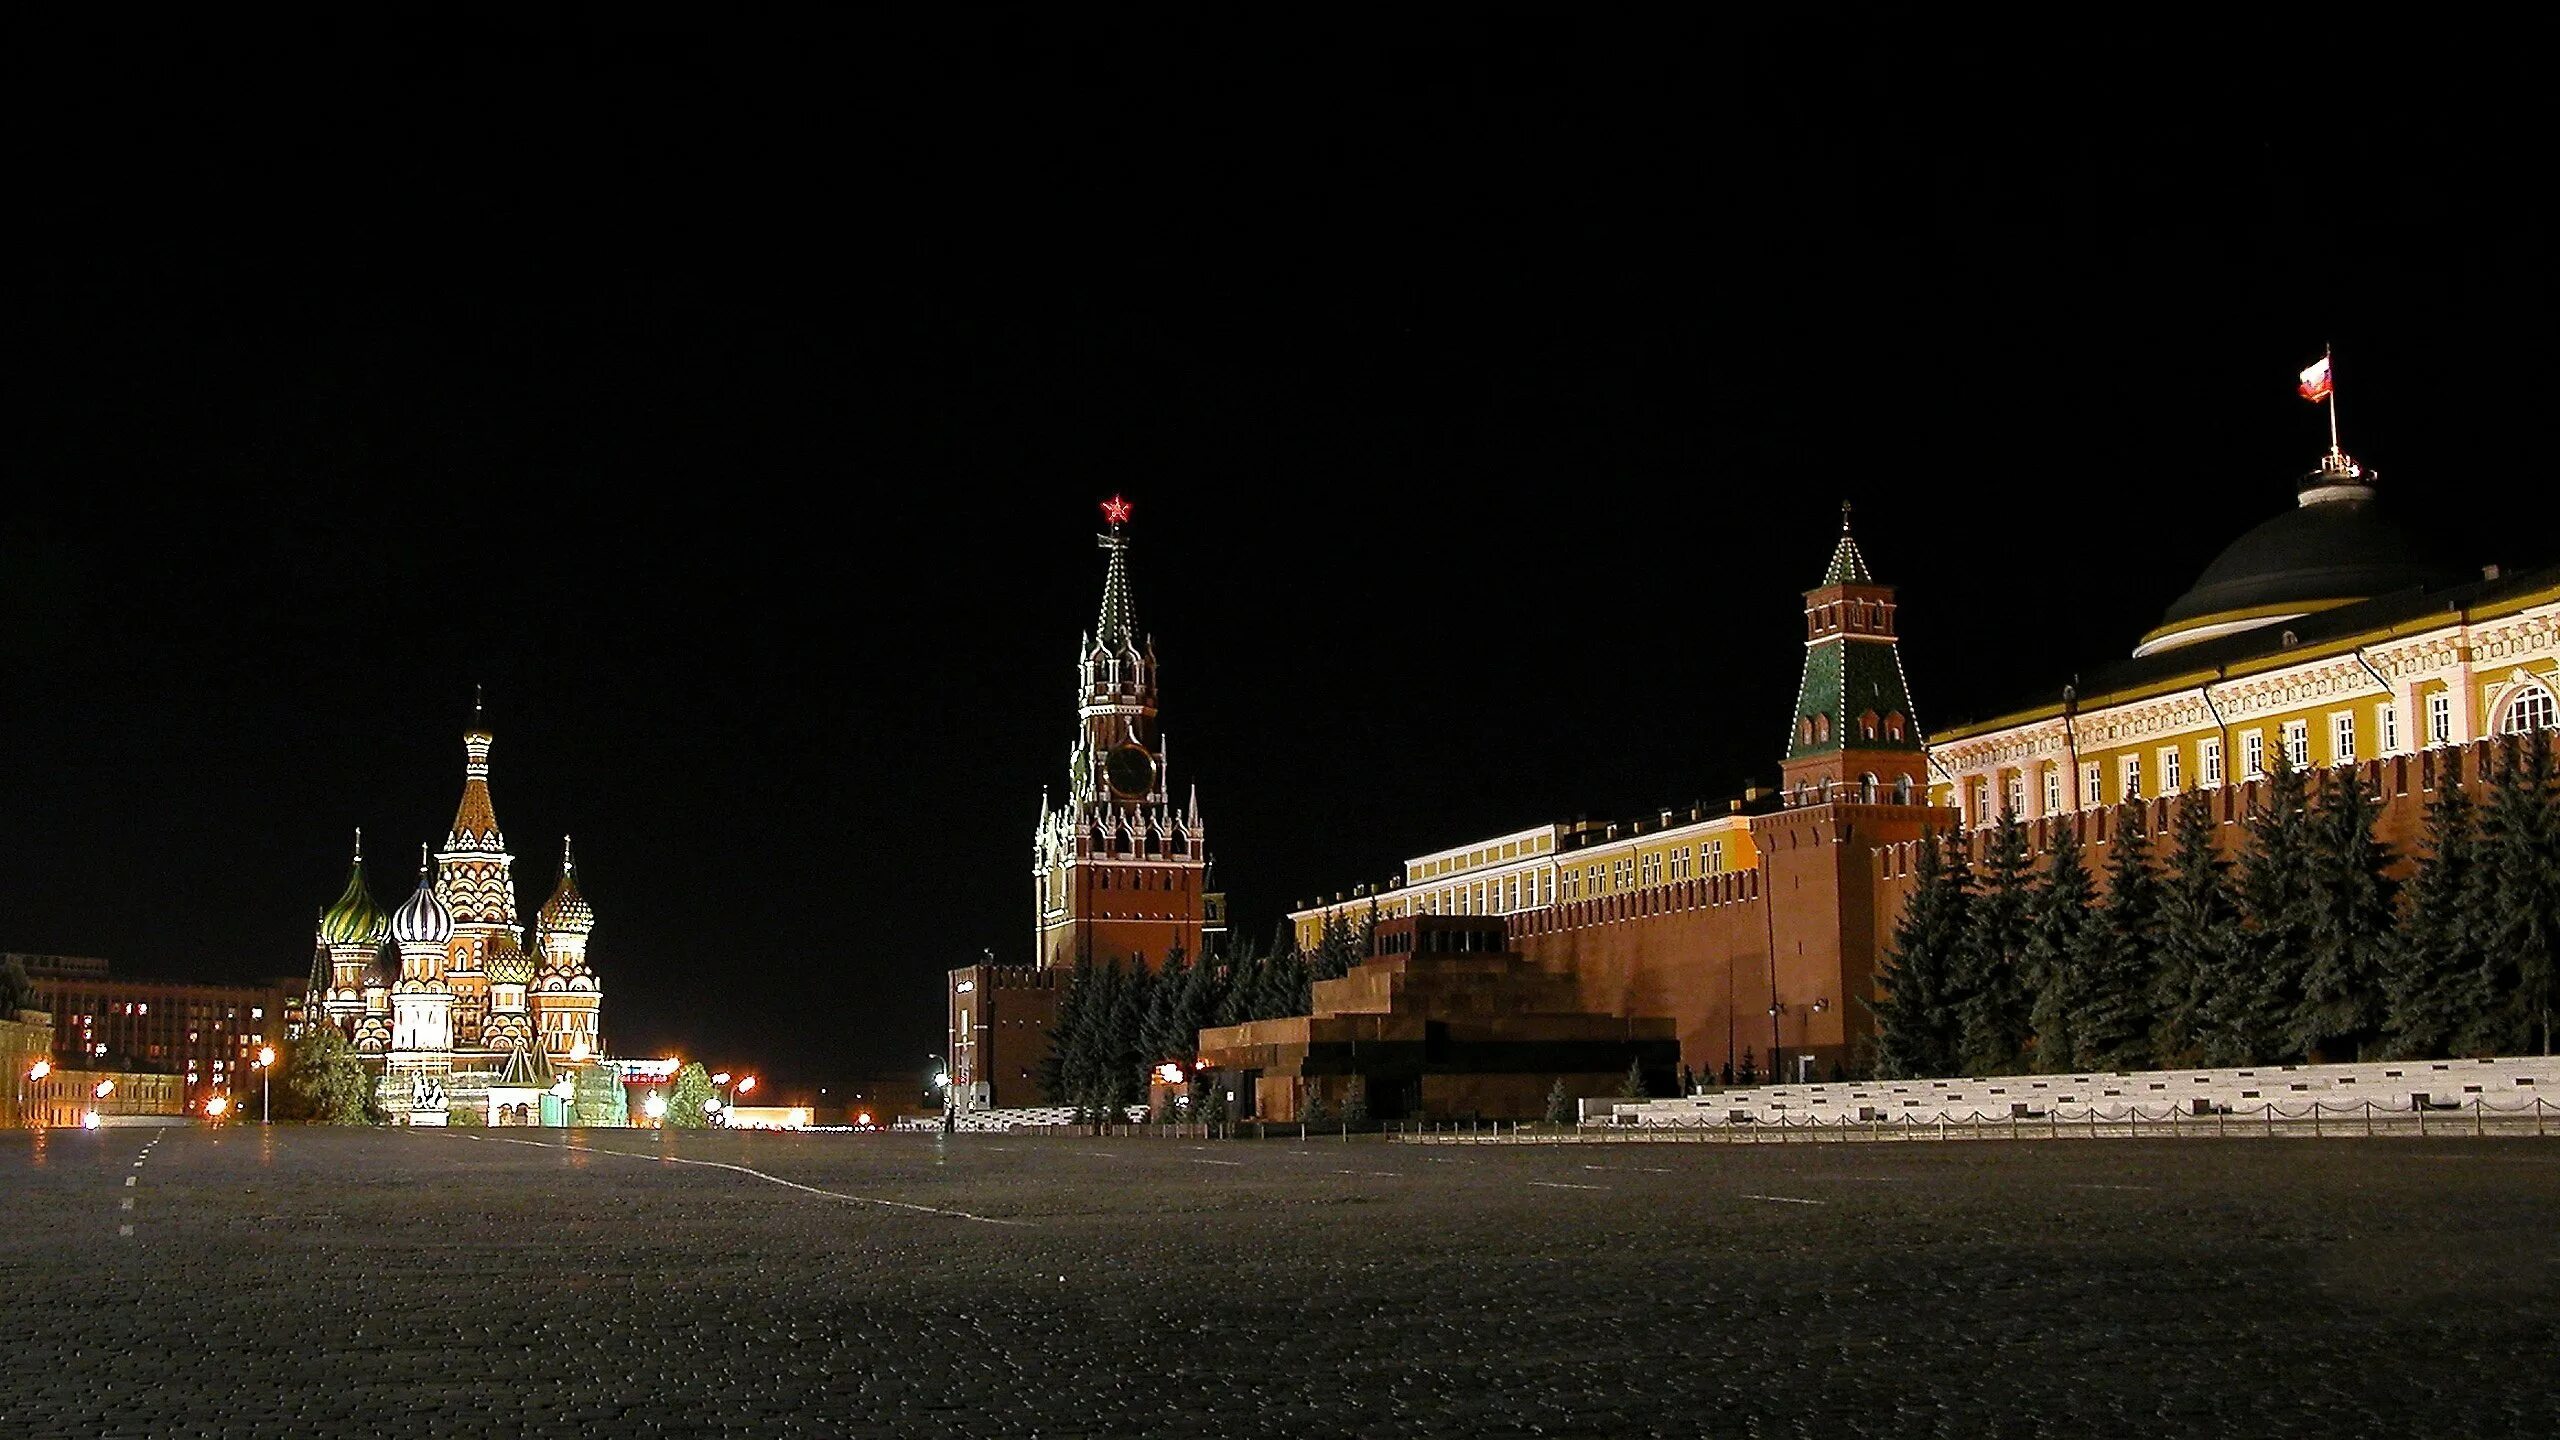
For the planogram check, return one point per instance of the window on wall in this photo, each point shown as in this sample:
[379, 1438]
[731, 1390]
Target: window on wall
[2439, 719]
[2089, 783]
[1713, 857]
[2342, 739]
[2253, 756]
[2297, 743]
[2386, 726]
[2209, 761]
[2132, 778]
[2170, 777]
[1981, 802]
[2013, 794]
[1680, 863]
[1653, 868]
[2052, 789]
[2532, 709]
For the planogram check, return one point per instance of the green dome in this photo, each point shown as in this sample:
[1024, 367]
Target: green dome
[355, 919]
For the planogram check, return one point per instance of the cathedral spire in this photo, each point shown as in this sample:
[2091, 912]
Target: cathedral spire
[1848, 566]
[1117, 627]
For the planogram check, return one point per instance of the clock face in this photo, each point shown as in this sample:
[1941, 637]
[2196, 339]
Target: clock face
[1132, 771]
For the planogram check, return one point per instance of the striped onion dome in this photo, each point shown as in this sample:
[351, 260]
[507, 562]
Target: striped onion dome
[567, 912]
[507, 964]
[422, 919]
[354, 919]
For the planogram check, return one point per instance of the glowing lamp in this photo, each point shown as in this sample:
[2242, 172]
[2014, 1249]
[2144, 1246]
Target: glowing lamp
[747, 1084]
[1170, 1072]
[88, 1119]
[216, 1105]
[711, 1106]
[720, 1079]
[862, 1119]
[579, 1052]
[40, 1069]
[105, 1089]
[799, 1118]
[655, 1107]
[266, 1056]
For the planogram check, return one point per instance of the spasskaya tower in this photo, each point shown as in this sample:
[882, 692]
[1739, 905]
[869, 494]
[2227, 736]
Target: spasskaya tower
[1118, 871]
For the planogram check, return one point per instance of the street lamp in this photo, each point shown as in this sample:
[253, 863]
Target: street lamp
[564, 1090]
[215, 1106]
[265, 1067]
[655, 1107]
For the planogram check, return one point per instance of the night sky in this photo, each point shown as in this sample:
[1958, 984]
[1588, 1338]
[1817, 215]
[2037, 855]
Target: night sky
[734, 408]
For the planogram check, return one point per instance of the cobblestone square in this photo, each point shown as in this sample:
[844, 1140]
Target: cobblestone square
[319, 1283]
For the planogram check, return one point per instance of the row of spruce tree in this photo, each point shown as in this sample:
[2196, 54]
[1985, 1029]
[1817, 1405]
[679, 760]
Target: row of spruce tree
[1115, 1023]
[2306, 948]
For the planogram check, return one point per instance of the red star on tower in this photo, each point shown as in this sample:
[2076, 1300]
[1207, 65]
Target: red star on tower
[1116, 510]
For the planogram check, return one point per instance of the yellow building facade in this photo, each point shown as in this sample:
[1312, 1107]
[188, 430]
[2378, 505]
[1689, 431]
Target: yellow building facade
[1537, 869]
[2317, 633]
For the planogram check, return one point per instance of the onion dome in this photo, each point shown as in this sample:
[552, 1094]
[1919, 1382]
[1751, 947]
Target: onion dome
[2336, 546]
[566, 912]
[354, 919]
[422, 918]
[507, 964]
[384, 972]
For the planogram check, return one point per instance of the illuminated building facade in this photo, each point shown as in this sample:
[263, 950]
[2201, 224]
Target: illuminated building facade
[441, 996]
[1118, 871]
[205, 1035]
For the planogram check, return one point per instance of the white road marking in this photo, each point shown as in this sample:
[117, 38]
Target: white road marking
[760, 1175]
[1216, 1162]
[124, 1229]
[1566, 1185]
[2115, 1187]
[129, 1179]
[1786, 1200]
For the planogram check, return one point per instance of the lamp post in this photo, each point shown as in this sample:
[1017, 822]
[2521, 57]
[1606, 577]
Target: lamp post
[35, 1072]
[565, 1091]
[266, 1067]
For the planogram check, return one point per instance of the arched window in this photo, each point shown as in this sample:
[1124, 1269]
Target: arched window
[1867, 725]
[1822, 727]
[1867, 788]
[1902, 790]
[2531, 709]
[1893, 726]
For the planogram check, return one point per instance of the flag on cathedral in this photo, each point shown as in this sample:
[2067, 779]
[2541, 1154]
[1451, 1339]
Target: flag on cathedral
[2315, 381]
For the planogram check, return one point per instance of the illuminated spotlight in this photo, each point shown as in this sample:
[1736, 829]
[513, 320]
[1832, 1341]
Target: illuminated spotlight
[88, 1119]
[105, 1089]
[746, 1084]
[655, 1107]
[266, 1056]
[1170, 1072]
[216, 1105]
[720, 1079]
[862, 1119]
[40, 1069]
[711, 1106]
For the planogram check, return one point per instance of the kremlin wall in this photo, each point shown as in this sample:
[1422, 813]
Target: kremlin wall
[1752, 932]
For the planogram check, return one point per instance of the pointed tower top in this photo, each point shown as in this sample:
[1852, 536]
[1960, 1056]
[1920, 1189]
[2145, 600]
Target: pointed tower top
[567, 911]
[1848, 566]
[1118, 623]
[568, 862]
[359, 844]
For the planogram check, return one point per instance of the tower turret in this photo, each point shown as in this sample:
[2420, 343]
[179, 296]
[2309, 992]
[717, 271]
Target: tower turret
[421, 999]
[1855, 738]
[475, 878]
[350, 931]
[566, 994]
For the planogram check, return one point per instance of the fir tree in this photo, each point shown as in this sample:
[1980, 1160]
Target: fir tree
[1197, 1007]
[1096, 1048]
[1311, 1109]
[2340, 1013]
[1991, 991]
[2056, 953]
[1915, 1017]
[689, 1098]
[1333, 957]
[1162, 1032]
[1129, 1061]
[2252, 1000]
[1060, 1076]
[1559, 1104]
[2111, 1030]
[2519, 923]
[323, 1080]
[2199, 931]
[1239, 987]
[2434, 985]
[1632, 1087]
[1355, 1101]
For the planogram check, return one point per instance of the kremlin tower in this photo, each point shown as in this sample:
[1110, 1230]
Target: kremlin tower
[1118, 871]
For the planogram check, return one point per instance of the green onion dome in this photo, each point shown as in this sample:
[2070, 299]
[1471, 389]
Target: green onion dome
[507, 964]
[354, 919]
[422, 918]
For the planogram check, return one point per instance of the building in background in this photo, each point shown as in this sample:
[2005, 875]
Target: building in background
[206, 1034]
[1119, 872]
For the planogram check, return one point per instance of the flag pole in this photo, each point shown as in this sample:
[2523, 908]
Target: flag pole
[2329, 356]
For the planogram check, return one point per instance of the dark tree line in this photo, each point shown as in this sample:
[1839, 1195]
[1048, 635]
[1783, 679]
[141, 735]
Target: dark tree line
[1116, 1023]
[2305, 947]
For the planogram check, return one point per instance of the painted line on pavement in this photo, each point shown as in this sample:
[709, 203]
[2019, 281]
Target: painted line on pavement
[1786, 1200]
[760, 1175]
[1566, 1185]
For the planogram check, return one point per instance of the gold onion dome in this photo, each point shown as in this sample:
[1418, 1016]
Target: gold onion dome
[354, 919]
[422, 918]
[508, 964]
[567, 912]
